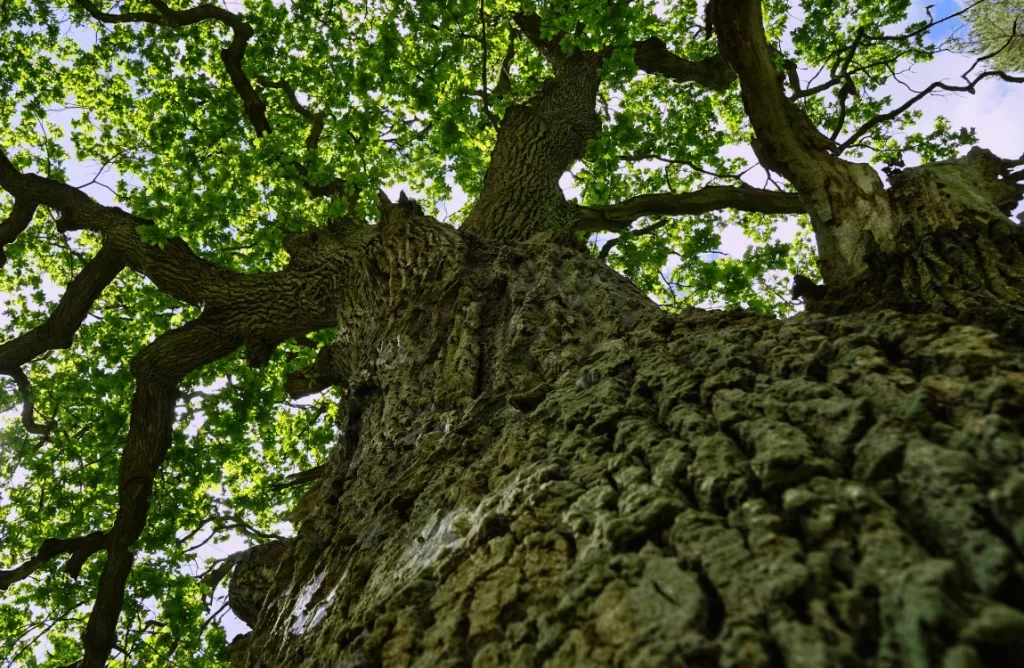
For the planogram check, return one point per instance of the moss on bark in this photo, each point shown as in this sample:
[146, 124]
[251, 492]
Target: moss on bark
[537, 466]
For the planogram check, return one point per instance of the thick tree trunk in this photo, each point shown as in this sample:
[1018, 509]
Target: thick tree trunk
[538, 466]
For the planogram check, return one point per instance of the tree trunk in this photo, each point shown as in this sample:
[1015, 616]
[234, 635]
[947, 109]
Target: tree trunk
[538, 466]
[955, 251]
[536, 144]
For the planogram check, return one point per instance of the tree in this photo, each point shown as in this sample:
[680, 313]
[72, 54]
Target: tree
[997, 33]
[517, 457]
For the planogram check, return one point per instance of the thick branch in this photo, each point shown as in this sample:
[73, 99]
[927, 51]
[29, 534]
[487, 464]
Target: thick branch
[59, 329]
[80, 549]
[158, 370]
[530, 25]
[15, 223]
[786, 141]
[300, 478]
[504, 85]
[174, 268]
[618, 217]
[536, 144]
[653, 56]
[232, 56]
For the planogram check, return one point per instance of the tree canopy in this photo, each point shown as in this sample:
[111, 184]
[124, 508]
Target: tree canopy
[225, 133]
[996, 32]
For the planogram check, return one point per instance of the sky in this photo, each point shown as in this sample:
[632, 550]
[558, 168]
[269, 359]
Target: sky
[996, 112]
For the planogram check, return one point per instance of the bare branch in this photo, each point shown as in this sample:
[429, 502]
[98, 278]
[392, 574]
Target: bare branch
[849, 88]
[925, 28]
[617, 217]
[969, 87]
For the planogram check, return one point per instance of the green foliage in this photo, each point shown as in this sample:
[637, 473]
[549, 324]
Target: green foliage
[997, 33]
[399, 88]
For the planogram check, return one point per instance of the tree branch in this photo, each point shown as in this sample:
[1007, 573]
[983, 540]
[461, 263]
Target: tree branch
[80, 549]
[925, 28]
[530, 25]
[618, 217]
[28, 419]
[19, 218]
[158, 370]
[969, 87]
[58, 330]
[653, 56]
[315, 118]
[323, 373]
[649, 229]
[232, 56]
[504, 85]
[174, 268]
[300, 478]
[638, 157]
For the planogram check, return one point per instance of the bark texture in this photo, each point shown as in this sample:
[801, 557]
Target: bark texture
[955, 252]
[536, 144]
[538, 467]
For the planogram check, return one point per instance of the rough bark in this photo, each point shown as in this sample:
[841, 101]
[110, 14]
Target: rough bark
[536, 144]
[538, 466]
[955, 252]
